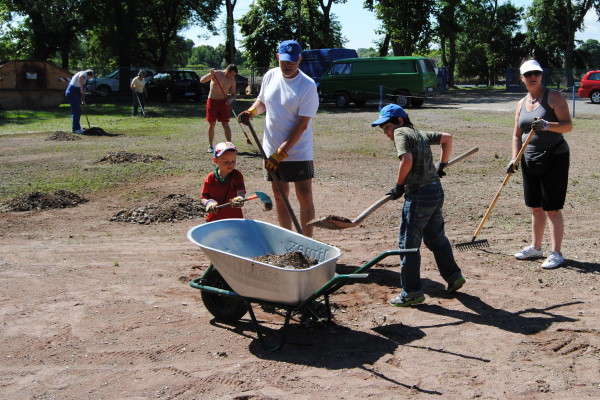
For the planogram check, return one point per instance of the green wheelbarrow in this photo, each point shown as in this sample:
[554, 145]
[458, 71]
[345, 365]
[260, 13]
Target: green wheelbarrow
[235, 281]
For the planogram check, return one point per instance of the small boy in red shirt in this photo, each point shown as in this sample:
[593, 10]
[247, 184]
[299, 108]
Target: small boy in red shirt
[224, 185]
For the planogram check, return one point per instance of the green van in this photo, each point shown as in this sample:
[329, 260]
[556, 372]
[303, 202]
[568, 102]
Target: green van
[406, 80]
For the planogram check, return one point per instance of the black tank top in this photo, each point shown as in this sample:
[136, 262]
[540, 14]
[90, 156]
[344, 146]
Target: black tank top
[542, 140]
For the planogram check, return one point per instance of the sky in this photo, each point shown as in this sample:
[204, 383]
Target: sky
[358, 24]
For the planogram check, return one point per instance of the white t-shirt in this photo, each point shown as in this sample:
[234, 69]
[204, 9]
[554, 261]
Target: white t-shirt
[286, 100]
[75, 78]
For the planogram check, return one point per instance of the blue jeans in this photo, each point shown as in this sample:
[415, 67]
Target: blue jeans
[422, 220]
[74, 97]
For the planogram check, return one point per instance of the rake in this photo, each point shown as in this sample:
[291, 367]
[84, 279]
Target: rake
[477, 244]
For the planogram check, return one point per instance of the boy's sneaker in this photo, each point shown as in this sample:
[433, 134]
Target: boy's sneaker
[400, 301]
[211, 149]
[457, 284]
[554, 260]
[528, 252]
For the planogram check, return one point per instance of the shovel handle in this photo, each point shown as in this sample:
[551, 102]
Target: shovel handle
[254, 196]
[276, 181]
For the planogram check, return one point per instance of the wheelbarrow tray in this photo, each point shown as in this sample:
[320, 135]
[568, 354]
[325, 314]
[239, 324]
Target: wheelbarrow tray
[231, 245]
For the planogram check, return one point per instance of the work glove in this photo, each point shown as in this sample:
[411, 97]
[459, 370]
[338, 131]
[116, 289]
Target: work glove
[512, 167]
[440, 168]
[540, 125]
[396, 192]
[237, 202]
[273, 162]
[211, 206]
[245, 116]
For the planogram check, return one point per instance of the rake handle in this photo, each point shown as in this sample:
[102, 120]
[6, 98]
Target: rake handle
[254, 196]
[504, 182]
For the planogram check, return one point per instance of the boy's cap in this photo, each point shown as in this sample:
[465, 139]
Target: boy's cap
[389, 111]
[289, 50]
[223, 147]
[530, 65]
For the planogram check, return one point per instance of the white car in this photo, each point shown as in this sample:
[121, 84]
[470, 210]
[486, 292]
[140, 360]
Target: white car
[108, 84]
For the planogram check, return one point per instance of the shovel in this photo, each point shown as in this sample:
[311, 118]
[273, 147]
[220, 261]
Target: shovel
[335, 222]
[476, 244]
[266, 200]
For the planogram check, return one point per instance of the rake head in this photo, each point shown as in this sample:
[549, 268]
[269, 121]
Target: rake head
[472, 245]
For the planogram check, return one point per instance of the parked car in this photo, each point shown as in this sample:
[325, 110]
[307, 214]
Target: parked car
[406, 80]
[108, 84]
[174, 84]
[590, 86]
[241, 82]
[315, 62]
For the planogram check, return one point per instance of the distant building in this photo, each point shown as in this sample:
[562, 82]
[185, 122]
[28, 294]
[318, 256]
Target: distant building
[32, 85]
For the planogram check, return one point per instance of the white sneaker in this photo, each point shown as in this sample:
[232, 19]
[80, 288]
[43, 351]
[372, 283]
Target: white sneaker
[554, 260]
[211, 149]
[528, 252]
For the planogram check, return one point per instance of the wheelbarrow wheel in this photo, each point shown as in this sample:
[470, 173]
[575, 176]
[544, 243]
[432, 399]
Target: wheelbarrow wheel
[222, 307]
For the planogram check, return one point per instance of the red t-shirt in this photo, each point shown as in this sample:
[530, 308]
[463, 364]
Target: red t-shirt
[223, 190]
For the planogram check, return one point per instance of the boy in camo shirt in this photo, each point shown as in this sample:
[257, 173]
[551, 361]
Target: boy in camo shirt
[422, 218]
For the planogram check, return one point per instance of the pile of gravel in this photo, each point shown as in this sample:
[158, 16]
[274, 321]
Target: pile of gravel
[44, 201]
[171, 208]
[63, 136]
[117, 157]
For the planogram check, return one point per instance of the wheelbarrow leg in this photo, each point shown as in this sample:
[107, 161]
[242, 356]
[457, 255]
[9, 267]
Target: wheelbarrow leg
[259, 332]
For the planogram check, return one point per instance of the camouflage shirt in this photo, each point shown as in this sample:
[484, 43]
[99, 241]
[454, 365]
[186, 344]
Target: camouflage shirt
[409, 140]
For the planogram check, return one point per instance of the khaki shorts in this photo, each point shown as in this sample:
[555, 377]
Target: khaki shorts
[293, 171]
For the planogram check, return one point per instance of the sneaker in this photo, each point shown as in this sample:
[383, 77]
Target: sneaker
[211, 149]
[457, 284]
[400, 301]
[528, 252]
[554, 260]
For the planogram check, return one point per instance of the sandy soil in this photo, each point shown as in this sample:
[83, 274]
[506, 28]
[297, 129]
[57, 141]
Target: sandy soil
[94, 309]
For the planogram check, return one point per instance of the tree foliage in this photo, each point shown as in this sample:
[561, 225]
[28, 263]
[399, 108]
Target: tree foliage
[268, 22]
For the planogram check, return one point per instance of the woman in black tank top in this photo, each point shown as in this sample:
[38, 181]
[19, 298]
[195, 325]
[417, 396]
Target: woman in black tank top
[545, 114]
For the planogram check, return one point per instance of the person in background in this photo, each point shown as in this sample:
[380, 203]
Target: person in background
[422, 218]
[545, 181]
[290, 100]
[224, 185]
[218, 105]
[74, 93]
[138, 90]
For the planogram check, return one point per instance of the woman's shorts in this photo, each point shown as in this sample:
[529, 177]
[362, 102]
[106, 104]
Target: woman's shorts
[549, 190]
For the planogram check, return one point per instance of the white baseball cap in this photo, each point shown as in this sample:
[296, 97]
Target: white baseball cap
[530, 65]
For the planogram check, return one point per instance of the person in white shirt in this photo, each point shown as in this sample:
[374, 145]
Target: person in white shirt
[74, 93]
[138, 89]
[290, 100]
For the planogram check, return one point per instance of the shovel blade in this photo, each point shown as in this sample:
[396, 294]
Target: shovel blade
[332, 222]
[472, 245]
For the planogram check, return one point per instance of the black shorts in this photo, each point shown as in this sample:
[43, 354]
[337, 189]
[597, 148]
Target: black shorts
[294, 171]
[550, 189]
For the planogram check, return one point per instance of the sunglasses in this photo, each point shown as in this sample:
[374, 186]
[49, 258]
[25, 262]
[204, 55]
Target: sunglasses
[529, 73]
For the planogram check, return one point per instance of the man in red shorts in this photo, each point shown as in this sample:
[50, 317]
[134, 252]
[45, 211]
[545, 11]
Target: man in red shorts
[220, 97]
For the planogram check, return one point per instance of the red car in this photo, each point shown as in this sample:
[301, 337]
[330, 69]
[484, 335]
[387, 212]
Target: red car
[590, 86]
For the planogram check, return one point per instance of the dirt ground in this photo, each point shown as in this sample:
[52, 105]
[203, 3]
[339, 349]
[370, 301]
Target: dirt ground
[96, 309]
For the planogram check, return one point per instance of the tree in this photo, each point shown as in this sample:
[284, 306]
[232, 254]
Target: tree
[230, 41]
[407, 23]
[268, 22]
[551, 29]
[50, 26]
[447, 29]
[588, 54]
[487, 41]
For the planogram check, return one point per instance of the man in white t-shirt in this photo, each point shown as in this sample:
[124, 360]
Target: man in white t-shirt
[290, 99]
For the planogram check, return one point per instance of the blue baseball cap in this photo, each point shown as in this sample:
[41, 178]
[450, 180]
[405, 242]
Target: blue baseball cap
[389, 111]
[289, 50]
